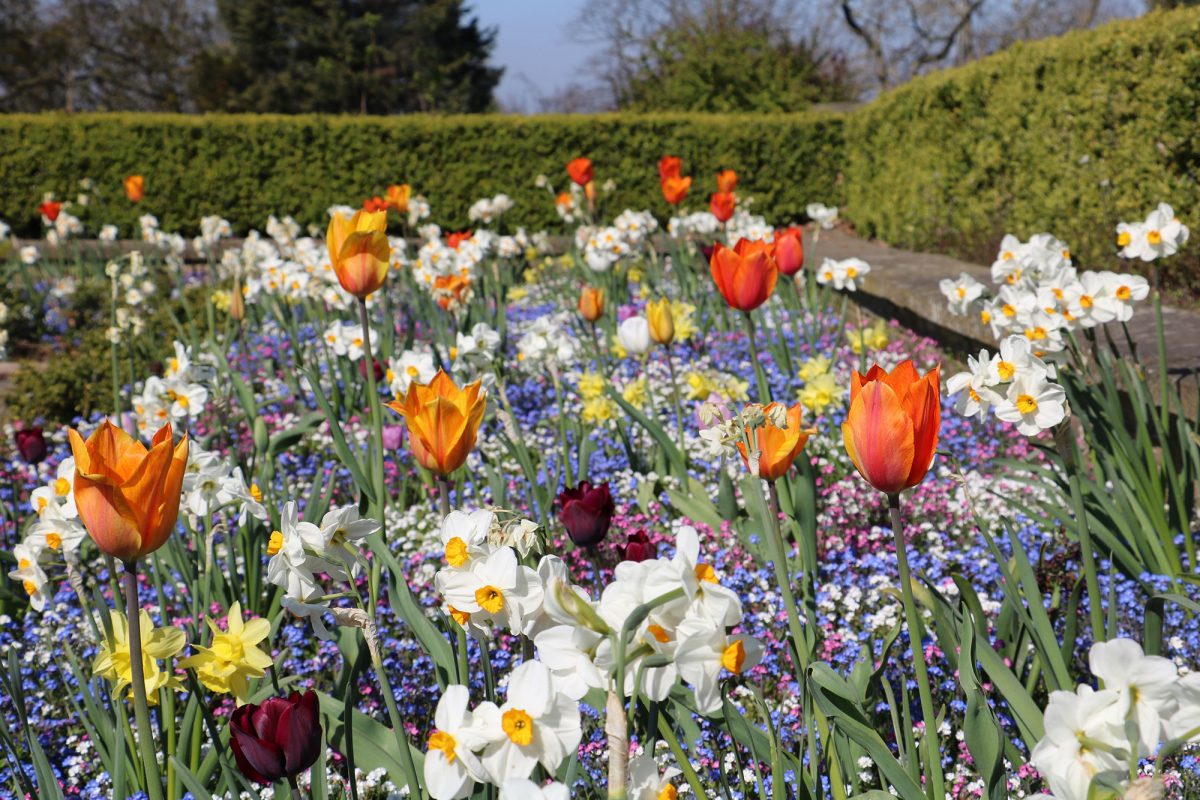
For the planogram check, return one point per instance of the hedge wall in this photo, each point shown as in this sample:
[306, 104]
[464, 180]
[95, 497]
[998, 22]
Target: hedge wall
[245, 167]
[1067, 135]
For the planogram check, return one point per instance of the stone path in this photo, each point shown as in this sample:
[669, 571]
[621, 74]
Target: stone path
[904, 285]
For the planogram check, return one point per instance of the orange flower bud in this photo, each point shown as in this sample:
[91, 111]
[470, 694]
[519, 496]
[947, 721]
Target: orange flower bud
[135, 188]
[721, 205]
[789, 250]
[778, 447]
[397, 197]
[891, 431]
[745, 275]
[128, 497]
[580, 171]
[675, 188]
[662, 324]
[591, 303]
[359, 251]
[443, 421]
[726, 180]
[669, 167]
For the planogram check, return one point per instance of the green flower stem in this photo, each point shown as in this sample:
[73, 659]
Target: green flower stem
[389, 697]
[443, 484]
[764, 388]
[934, 779]
[1066, 450]
[138, 676]
[678, 406]
[562, 427]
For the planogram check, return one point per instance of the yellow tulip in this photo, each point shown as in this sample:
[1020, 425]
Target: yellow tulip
[443, 421]
[662, 323]
[359, 251]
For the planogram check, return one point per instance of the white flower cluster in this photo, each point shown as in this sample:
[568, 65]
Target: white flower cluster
[57, 529]
[345, 339]
[487, 210]
[1160, 235]
[172, 243]
[301, 551]
[1097, 737]
[212, 483]
[843, 274]
[604, 247]
[1014, 382]
[177, 396]
[546, 342]
[702, 225]
[212, 230]
[439, 265]
[131, 286]
[63, 228]
[825, 216]
[469, 358]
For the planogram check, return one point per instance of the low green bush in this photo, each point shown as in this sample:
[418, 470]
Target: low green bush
[1068, 135]
[246, 167]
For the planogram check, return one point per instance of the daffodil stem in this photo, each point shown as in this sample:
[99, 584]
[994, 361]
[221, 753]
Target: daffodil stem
[1066, 450]
[389, 698]
[137, 674]
[931, 753]
[616, 730]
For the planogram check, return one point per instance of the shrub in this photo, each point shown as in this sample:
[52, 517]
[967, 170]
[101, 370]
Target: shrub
[247, 167]
[1068, 135]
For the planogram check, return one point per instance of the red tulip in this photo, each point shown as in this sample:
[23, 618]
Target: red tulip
[376, 203]
[580, 171]
[669, 167]
[745, 275]
[675, 188]
[278, 739]
[31, 444]
[50, 210]
[457, 238]
[586, 512]
[726, 180]
[789, 250]
[721, 205]
[638, 547]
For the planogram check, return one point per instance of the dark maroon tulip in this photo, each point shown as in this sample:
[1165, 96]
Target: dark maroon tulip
[278, 739]
[31, 443]
[362, 369]
[586, 512]
[638, 547]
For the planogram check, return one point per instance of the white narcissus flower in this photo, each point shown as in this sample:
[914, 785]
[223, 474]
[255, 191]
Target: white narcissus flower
[495, 590]
[464, 537]
[1123, 291]
[567, 650]
[451, 766]
[535, 725]
[697, 578]
[1007, 267]
[313, 610]
[59, 493]
[1068, 765]
[31, 576]
[1032, 404]
[705, 651]
[645, 782]
[525, 789]
[293, 564]
[1149, 683]
[1186, 720]
[412, 365]
[960, 293]
[55, 532]
[341, 530]
[822, 214]
[634, 335]
[973, 389]
[1159, 236]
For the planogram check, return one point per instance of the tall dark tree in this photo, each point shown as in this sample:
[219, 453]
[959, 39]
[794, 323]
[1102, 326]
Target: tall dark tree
[348, 56]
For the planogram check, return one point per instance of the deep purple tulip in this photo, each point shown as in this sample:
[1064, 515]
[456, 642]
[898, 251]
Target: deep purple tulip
[638, 547]
[379, 371]
[278, 739]
[31, 443]
[586, 512]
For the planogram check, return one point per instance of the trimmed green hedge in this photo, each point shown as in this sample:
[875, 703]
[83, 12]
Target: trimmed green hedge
[1067, 135]
[246, 167]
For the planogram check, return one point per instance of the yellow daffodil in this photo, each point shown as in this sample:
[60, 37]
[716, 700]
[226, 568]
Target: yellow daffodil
[819, 393]
[598, 409]
[233, 656]
[872, 338]
[737, 389]
[635, 393]
[684, 315]
[617, 349]
[635, 275]
[700, 386]
[591, 385]
[112, 662]
[813, 368]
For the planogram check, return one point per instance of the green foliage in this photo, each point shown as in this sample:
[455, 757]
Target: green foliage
[246, 168]
[1067, 135]
[379, 56]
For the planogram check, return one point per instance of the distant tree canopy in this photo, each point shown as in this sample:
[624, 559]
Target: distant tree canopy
[285, 56]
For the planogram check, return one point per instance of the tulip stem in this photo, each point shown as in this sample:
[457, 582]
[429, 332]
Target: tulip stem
[931, 753]
[678, 410]
[760, 375]
[145, 736]
[376, 417]
[443, 484]
[295, 787]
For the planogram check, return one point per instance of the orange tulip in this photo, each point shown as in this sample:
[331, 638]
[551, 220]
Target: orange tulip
[745, 275]
[669, 167]
[726, 180]
[443, 421]
[580, 171]
[778, 447]
[789, 250]
[135, 188]
[721, 205]
[128, 498]
[891, 431]
[373, 204]
[591, 303]
[675, 188]
[397, 197]
[359, 251]
[451, 291]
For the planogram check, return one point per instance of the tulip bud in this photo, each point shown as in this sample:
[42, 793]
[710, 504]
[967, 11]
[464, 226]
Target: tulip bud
[278, 739]
[237, 302]
[634, 335]
[662, 324]
[135, 188]
[721, 205]
[580, 171]
[727, 181]
[789, 250]
[591, 303]
[586, 512]
[31, 444]
[638, 547]
[262, 439]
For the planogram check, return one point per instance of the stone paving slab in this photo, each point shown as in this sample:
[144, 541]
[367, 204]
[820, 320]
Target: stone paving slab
[904, 285]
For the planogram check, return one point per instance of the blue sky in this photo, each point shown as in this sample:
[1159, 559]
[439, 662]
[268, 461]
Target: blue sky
[533, 46]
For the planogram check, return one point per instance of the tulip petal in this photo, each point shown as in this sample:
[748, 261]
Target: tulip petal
[922, 403]
[878, 435]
